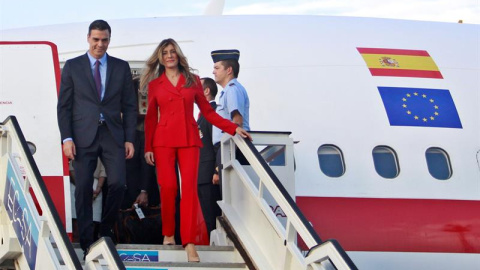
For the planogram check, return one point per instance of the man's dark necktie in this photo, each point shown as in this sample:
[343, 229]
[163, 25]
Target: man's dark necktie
[98, 79]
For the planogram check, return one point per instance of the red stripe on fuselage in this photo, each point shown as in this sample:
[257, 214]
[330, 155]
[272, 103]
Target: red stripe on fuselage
[406, 73]
[399, 225]
[392, 51]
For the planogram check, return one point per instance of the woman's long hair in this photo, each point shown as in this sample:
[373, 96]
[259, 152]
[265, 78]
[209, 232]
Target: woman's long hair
[154, 66]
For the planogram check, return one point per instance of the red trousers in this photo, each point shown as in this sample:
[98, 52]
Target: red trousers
[165, 160]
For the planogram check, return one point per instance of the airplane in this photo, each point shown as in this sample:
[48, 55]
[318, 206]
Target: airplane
[384, 112]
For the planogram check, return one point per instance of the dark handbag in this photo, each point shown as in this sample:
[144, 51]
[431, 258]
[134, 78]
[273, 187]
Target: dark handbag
[130, 229]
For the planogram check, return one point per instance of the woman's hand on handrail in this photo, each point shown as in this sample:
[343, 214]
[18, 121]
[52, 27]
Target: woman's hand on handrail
[242, 132]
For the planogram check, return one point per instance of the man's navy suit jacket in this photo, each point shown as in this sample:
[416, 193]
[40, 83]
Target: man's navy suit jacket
[79, 106]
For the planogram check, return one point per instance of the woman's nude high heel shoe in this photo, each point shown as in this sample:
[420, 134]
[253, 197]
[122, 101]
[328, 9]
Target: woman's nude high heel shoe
[169, 240]
[192, 254]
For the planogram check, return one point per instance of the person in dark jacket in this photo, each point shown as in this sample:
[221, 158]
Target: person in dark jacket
[208, 192]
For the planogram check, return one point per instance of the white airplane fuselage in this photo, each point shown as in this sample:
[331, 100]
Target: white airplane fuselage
[307, 75]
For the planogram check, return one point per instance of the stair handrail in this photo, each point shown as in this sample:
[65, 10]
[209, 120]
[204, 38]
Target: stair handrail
[103, 249]
[319, 251]
[11, 133]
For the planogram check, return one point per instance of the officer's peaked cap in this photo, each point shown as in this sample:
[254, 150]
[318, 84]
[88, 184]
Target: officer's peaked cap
[220, 55]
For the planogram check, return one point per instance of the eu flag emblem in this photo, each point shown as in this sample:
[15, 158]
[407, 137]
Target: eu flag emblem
[420, 107]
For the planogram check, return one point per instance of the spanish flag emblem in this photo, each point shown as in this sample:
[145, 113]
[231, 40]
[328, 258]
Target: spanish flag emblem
[400, 63]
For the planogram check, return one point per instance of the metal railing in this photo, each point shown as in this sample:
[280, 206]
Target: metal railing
[26, 230]
[14, 150]
[271, 244]
[103, 254]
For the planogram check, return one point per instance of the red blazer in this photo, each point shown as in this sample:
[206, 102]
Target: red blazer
[169, 121]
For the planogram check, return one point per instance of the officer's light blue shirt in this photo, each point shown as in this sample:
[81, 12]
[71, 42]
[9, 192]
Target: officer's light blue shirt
[233, 97]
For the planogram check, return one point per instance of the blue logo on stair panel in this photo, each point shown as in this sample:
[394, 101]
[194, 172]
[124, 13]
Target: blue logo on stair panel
[138, 255]
[21, 214]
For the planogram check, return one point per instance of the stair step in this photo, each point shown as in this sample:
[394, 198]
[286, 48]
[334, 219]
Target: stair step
[172, 247]
[174, 257]
[176, 253]
[184, 265]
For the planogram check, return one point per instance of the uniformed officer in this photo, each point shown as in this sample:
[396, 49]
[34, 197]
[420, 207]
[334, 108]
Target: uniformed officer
[233, 102]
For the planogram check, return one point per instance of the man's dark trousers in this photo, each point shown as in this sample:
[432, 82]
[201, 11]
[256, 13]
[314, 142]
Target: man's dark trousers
[113, 158]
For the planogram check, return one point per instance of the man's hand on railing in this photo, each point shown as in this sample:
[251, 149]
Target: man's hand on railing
[242, 132]
[69, 149]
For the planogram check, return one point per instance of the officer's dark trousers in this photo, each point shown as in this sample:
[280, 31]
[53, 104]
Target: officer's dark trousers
[208, 194]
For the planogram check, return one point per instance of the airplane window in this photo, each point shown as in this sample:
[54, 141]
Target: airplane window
[386, 162]
[331, 160]
[438, 163]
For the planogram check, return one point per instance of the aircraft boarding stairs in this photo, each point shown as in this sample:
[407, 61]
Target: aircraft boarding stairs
[261, 226]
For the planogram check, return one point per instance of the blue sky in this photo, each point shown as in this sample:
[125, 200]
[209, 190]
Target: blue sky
[25, 13]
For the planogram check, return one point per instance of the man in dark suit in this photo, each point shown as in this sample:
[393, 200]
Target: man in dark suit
[208, 192]
[97, 117]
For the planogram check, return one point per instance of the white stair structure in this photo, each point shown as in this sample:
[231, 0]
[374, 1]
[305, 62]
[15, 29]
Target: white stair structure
[27, 236]
[259, 229]
[260, 206]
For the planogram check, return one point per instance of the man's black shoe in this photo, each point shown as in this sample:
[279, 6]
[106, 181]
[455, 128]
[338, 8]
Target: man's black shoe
[85, 252]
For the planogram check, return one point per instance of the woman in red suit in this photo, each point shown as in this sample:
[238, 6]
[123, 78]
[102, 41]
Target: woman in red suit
[171, 134]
